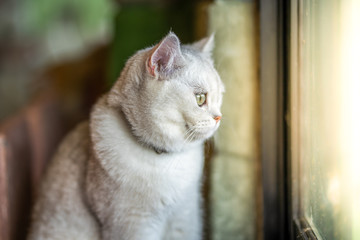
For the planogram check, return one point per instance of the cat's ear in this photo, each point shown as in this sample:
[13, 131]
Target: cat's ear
[206, 44]
[165, 56]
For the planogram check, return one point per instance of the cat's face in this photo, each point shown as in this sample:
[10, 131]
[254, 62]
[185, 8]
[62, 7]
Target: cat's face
[170, 94]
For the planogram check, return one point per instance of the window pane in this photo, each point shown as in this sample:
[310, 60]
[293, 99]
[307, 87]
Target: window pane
[329, 116]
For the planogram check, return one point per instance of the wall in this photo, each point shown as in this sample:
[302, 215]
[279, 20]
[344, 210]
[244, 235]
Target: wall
[235, 179]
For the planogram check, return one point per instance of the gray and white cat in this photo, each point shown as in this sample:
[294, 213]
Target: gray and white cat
[134, 170]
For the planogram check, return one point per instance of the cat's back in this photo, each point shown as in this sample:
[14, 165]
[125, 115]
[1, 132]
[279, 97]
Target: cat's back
[61, 210]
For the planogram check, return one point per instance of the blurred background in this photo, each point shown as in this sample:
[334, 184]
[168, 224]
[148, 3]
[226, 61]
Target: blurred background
[38, 34]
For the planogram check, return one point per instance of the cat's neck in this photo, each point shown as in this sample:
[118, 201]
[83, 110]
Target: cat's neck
[109, 126]
[114, 145]
[111, 121]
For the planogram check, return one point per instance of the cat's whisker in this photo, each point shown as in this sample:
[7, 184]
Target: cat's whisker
[192, 132]
[189, 136]
[192, 137]
[187, 139]
[188, 133]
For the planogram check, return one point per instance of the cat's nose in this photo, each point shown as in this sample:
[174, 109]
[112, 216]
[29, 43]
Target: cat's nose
[217, 118]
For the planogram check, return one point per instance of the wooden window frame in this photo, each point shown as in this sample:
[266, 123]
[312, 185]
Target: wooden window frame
[273, 131]
[279, 58]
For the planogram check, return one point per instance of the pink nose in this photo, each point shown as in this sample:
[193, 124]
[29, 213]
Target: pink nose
[217, 118]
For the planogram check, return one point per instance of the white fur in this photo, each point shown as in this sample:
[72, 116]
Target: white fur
[140, 173]
[149, 191]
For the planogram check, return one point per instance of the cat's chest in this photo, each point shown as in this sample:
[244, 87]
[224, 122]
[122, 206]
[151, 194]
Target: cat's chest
[131, 166]
[168, 179]
[178, 170]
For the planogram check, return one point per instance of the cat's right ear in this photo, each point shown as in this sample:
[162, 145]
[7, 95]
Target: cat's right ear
[165, 56]
[205, 45]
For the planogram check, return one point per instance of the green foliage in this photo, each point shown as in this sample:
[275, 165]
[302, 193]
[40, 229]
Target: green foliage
[37, 16]
[140, 26]
[135, 28]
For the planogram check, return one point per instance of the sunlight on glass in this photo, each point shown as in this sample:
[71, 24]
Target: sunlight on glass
[334, 190]
[351, 99]
[329, 117]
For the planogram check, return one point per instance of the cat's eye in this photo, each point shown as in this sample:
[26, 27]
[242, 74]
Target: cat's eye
[200, 99]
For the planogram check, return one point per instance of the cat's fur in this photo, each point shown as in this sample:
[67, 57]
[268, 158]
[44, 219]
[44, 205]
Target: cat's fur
[134, 170]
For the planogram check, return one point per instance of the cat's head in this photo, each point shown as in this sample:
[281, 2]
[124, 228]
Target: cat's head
[170, 94]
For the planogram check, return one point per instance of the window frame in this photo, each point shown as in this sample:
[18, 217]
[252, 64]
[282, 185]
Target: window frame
[273, 128]
[280, 31]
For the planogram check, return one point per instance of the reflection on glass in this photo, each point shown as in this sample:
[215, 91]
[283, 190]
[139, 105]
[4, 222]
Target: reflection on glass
[329, 98]
[350, 72]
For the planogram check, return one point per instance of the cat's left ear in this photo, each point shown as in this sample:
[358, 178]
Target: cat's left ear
[165, 56]
[205, 45]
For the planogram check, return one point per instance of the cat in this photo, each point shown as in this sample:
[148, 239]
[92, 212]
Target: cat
[133, 171]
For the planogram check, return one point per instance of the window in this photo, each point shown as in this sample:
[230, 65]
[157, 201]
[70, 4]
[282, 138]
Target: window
[325, 117]
[310, 96]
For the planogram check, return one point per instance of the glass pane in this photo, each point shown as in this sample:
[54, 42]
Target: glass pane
[329, 116]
